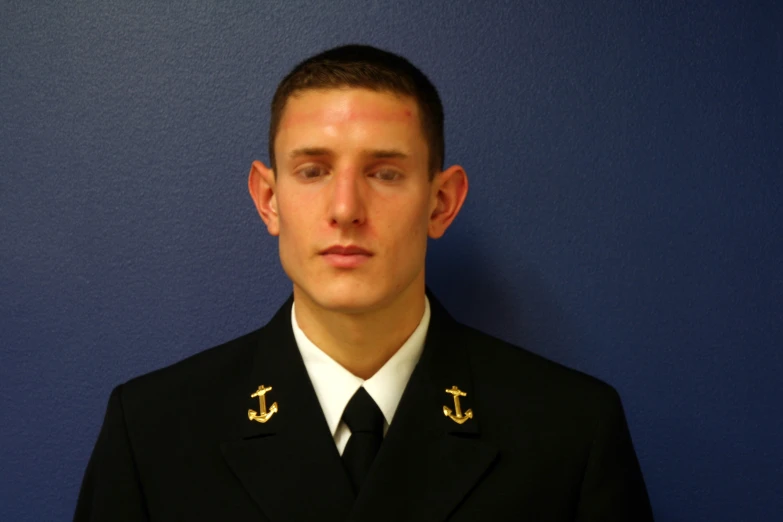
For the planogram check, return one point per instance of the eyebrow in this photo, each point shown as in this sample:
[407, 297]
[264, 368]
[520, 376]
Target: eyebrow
[309, 151]
[322, 151]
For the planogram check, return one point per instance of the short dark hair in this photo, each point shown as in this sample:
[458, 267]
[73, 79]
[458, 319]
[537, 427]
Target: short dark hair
[363, 66]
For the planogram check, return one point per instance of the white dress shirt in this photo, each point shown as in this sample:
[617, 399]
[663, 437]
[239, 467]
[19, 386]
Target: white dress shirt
[334, 385]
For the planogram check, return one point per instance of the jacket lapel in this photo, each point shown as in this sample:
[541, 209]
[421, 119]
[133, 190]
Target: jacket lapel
[428, 463]
[289, 465]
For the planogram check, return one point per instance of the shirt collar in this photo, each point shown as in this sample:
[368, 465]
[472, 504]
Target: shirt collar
[334, 385]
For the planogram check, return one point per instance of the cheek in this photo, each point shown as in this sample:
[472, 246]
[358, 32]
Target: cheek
[409, 224]
[294, 208]
[416, 215]
[294, 228]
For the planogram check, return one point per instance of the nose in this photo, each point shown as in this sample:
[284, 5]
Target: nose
[347, 205]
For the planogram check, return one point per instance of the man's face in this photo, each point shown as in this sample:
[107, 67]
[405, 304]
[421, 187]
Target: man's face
[353, 198]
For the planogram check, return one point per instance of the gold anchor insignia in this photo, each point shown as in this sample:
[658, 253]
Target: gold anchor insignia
[460, 417]
[264, 415]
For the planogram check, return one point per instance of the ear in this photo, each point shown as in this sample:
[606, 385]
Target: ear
[449, 190]
[262, 186]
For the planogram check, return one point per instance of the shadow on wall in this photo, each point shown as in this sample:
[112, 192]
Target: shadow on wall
[513, 303]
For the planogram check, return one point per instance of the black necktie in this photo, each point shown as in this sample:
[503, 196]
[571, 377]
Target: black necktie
[365, 421]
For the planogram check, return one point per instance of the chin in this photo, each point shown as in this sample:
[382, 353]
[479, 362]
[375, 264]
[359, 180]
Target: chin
[345, 298]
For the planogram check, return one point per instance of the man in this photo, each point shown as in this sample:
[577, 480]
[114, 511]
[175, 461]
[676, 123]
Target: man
[362, 399]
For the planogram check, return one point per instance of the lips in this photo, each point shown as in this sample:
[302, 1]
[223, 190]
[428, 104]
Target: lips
[346, 256]
[350, 250]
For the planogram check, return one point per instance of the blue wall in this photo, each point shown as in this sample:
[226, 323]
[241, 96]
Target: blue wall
[624, 215]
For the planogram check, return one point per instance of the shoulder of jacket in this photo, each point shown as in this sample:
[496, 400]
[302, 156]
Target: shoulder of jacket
[508, 369]
[202, 370]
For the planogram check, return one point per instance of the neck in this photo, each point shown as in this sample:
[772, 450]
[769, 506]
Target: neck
[360, 342]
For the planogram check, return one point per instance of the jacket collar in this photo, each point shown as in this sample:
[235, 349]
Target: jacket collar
[427, 462]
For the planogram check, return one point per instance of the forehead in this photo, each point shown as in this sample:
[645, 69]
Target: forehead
[344, 107]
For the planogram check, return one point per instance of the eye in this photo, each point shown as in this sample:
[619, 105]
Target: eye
[387, 175]
[310, 172]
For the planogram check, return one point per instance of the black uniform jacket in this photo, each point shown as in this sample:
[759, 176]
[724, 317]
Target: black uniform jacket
[544, 443]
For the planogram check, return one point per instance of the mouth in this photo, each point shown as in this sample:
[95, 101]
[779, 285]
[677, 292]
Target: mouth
[348, 250]
[345, 256]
